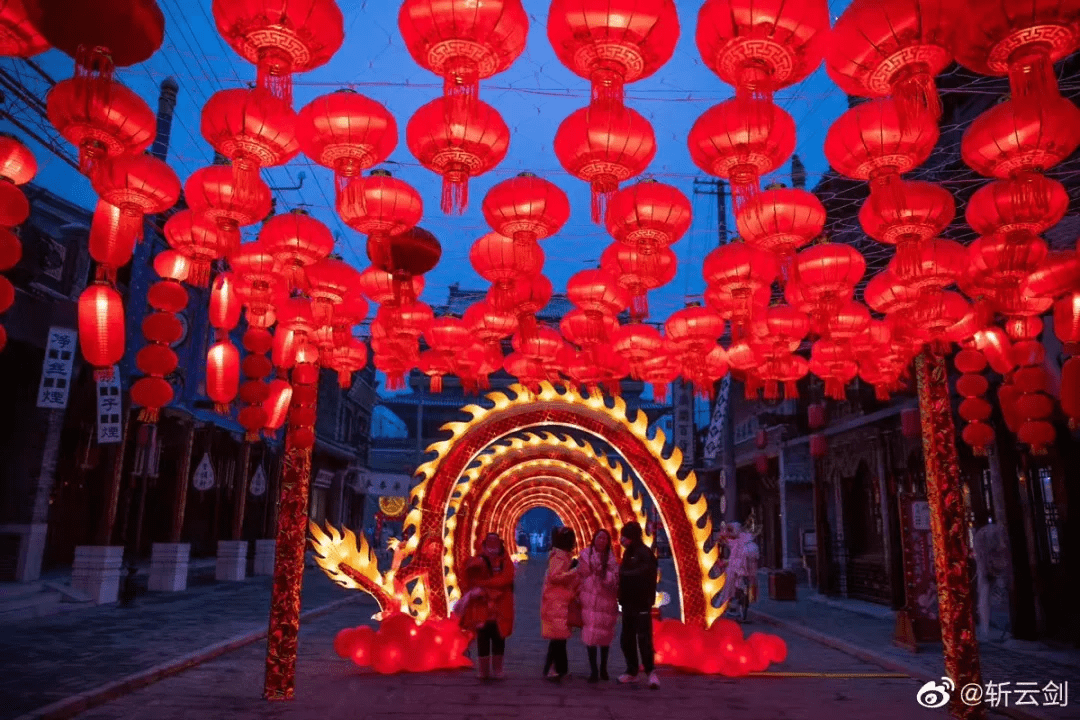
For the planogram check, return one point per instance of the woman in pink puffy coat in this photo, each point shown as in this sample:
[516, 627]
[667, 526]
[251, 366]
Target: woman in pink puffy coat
[599, 572]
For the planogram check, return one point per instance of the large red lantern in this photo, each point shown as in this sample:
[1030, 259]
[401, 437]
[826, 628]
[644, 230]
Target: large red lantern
[102, 120]
[740, 278]
[379, 287]
[405, 256]
[346, 132]
[489, 325]
[613, 42]
[1000, 143]
[869, 142]
[894, 48]
[526, 208]
[211, 191]
[1022, 40]
[128, 31]
[760, 47]
[463, 44]
[296, 240]
[639, 273]
[329, 282]
[501, 261]
[605, 145]
[457, 142]
[137, 185]
[781, 220]
[826, 275]
[694, 330]
[281, 37]
[258, 284]
[913, 212]
[200, 241]
[17, 162]
[101, 327]
[597, 291]
[18, 36]
[740, 140]
[222, 374]
[637, 343]
[648, 216]
[253, 129]
[530, 296]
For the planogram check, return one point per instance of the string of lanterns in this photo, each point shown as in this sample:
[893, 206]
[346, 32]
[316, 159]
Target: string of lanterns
[987, 297]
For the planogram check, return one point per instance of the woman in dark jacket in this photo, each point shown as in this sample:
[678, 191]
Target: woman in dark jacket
[637, 595]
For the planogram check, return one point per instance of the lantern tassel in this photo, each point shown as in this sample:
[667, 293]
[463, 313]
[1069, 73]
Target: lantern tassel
[834, 389]
[1032, 80]
[251, 436]
[455, 191]
[639, 307]
[149, 415]
[608, 86]
[772, 389]
[274, 74]
[221, 408]
[436, 383]
[461, 84]
[1031, 190]
[103, 374]
[603, 187]
[344, 379]
[245, 177]
[791, 390]
[881, 393]
[93, 82]
[395, 380]
[199, 273]
[527, 326]
[916, 95]
[659, 393]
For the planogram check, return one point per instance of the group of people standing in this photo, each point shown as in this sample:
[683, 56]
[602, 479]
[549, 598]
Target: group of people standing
[585, 592]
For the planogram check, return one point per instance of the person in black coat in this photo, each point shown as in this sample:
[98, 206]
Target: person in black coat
[637, 595]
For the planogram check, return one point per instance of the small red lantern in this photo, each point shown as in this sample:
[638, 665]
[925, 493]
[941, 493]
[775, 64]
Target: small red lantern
[296, 240]
[458, 142]
[639, 273]
[211, 191]
[222, 374]
[101, 328]
[277, 403]
[526, 208]
[605, 145]
[501, 261]
[378, 286]
[815, 416]
[138, 185]
[648, 216]
[200, 241]
[819, 445]
[530, 296]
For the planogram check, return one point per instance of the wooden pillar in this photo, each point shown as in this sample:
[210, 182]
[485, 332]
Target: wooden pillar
[948, 521]
[183, 478]
[112, 490]
[241, 493]
[821, 527]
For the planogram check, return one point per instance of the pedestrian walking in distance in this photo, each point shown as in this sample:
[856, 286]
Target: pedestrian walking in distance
[599, 573]
[560, 591]
[637, 594]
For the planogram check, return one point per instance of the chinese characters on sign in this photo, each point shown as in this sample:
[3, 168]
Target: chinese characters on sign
[109, 409]
[204, 474]
[56, 371]
[682, 428]
[258, 482]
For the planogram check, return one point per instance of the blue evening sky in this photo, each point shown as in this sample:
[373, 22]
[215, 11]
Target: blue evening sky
[533, 96]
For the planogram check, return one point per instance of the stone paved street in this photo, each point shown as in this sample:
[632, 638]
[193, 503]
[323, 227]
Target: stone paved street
[998, 661]
[328, 687]
[51, 658]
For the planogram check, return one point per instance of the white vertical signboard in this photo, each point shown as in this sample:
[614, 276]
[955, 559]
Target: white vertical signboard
[56, 371]
[204, 474]
[109, 424]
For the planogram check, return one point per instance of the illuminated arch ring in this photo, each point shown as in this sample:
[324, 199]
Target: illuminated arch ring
[687, 523]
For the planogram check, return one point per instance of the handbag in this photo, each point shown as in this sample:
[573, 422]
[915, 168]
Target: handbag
[574, 617]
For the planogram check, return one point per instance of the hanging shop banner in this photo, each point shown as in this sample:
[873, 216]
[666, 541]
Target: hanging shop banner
[204, 474]
[56, 371]
[258, 483]
[683, 424]
[918, 558]
[110, 423]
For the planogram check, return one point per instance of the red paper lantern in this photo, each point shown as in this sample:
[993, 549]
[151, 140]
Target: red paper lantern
[648, 216]
[741, 140]
[781, 220]
[277, 403]
[739, 278]
[111, 121]
[378, 286]
[815, 416]
[819, 445]
[253, 129]
[932, 265]
[138, 185]
[1070, 390]
[407, 321]
[224, 305]
[998, 206]
[296, 240]
[412, 253]
[130, 31]
[18, 36]
[101, 327]
[222, 374]
[1022, 40]
[1036, 433]
[694, 329]
[347, 359]
[281, 37]
[380, 205]
[605, 145]
[613, 43]
[488, 324]
[346, 132]
[211, 191]
[501, 261]
[200, 241]
[978, 435]
[329, 282]
[10, 250]
[1067, 320]
[587, 329]
[639, 273]
[885, 293]
[637, 343]
[463, 44]
[17, 162]
[1058, 274]
[912, 213]
[526, 208]
[894, 47]
[597, 291]
[530, 296]
[1003, 143]
[825, 277]
[869, 142]
[457, 142]
[760, 47]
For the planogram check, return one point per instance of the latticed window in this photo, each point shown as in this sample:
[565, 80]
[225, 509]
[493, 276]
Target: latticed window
[1050, 521]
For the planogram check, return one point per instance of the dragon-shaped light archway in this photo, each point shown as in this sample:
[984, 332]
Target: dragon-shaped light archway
[512, 413]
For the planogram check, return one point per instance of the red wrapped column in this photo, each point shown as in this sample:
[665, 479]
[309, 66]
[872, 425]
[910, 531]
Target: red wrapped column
[280, 682]
[947, 527]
